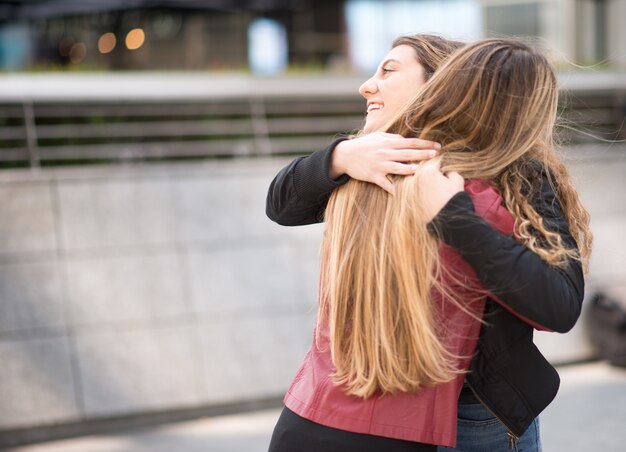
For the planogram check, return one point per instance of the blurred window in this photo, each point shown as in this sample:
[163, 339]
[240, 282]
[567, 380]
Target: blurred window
[373, 25]
[15, 46]
[267, 47]
[522, 19]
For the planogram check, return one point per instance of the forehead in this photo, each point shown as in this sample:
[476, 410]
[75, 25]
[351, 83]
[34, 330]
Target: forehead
[403, 53]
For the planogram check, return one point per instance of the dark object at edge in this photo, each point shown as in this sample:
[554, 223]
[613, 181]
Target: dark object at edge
[607, 328]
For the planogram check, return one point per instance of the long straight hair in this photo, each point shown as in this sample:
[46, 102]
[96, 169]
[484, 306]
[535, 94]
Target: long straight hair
[492, 106]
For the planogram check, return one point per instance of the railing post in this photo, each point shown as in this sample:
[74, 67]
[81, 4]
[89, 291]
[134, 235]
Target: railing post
[31, 134]
[619, 112]
[260, 127]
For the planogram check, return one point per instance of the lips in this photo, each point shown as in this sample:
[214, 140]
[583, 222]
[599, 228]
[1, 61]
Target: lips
[373, 106]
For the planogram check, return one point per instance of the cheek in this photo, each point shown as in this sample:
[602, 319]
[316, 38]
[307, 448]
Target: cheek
[419, 85]
[413, 86]
[403, 95]
[398, 99]
[404, 90]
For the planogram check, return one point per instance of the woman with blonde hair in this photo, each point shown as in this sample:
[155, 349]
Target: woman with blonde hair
[493, 229]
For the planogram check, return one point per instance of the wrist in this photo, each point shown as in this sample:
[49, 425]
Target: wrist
[336, 169]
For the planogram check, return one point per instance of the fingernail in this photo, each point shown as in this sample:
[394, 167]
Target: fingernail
[414, 167]
[432, 153]
[437, 146]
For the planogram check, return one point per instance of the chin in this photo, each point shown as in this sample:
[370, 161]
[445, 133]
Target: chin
[369, 128]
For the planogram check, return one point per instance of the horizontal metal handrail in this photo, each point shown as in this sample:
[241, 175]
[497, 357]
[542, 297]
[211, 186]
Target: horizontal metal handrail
[261, 119]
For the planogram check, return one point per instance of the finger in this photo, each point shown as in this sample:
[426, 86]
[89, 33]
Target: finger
[400, 168]
[391, 135]
[433, 164]
[454, 176]
[384, 183]
[415, 143]
[412, 155]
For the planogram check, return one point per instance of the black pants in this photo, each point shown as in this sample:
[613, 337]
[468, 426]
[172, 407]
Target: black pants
[296, 434]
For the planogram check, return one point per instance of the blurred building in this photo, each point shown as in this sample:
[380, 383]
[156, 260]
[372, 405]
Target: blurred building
[163, 34]
[298, 34]
[584, 32]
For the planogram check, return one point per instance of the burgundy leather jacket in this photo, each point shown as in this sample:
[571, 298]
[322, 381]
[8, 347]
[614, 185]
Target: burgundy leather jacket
[508, 374]
[430, 415]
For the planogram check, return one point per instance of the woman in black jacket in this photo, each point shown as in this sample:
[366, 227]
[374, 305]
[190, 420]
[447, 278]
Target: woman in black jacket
[508, 375]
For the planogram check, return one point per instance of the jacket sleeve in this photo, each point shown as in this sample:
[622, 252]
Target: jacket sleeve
[299, 193]
[542, 295]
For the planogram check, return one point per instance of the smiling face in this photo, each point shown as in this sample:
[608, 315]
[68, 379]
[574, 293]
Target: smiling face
[392, 87]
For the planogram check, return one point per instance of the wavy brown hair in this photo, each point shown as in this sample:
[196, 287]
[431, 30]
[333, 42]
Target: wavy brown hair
[495, 120]
[492, 106]
[430, 50]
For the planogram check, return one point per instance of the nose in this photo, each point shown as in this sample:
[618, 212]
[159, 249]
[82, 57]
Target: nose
[368, 88]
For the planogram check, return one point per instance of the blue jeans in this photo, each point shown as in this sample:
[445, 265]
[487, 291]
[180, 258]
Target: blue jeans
[479, 431]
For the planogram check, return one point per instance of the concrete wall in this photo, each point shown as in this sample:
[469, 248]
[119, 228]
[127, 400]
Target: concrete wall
[130, 290]
[151, 288]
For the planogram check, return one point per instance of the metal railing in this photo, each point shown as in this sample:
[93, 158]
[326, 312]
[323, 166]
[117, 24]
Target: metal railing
[48, 133]
[272, 117]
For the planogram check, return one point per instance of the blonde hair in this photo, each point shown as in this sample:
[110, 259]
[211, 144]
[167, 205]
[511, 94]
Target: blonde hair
[492, 106]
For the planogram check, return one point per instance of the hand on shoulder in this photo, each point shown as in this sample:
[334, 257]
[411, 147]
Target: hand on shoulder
[371, 157]
[435, 188]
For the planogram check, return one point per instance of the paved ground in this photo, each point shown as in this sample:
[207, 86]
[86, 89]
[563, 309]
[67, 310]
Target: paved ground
[588, 415]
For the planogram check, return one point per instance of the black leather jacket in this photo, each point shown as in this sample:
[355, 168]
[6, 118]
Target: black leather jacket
[508, 374]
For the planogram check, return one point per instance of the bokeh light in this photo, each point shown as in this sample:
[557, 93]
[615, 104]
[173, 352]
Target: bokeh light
[107, 43]
[65, 45]
[78, 52]
[135, 39]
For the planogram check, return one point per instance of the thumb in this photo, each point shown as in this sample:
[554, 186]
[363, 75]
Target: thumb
[456, 179]
[384, 183]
